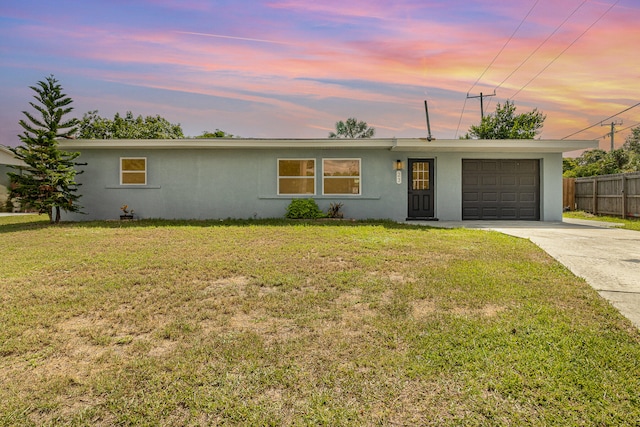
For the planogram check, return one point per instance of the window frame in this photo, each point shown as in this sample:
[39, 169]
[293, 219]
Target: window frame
[312, 178]
[123, 171]
[358, 177]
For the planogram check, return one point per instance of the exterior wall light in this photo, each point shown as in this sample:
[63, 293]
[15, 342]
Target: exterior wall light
[398, 166]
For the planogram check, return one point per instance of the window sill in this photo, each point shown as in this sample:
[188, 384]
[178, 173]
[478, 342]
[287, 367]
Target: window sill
[320, 197]
[133, 187]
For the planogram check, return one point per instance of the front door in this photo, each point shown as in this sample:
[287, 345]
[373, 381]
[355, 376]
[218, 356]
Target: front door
[421, 186]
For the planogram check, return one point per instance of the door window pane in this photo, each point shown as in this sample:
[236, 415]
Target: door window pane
[420, 175]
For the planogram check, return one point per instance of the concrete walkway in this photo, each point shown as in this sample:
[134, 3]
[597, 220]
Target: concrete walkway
[608, 258]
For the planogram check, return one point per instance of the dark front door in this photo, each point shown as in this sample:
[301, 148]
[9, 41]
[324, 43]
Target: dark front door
[421, 186]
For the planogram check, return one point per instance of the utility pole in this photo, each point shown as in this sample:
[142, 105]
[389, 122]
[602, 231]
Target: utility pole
[481, 96]
[613, 130]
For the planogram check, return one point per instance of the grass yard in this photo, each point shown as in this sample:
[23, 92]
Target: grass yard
[302, 323]
[627, 223]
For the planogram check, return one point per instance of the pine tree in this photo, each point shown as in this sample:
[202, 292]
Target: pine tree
[47, 183]
[352, 128]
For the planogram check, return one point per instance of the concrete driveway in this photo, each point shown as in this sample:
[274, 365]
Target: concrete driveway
[608, 258]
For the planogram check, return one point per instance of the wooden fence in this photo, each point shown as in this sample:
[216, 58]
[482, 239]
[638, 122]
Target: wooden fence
[617, 195]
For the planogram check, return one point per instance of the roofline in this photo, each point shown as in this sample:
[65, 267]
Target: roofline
[8, 158]
[392, 144]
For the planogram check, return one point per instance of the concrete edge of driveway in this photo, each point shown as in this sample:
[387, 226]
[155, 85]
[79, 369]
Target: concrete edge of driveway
[16, 213]
[491, 225]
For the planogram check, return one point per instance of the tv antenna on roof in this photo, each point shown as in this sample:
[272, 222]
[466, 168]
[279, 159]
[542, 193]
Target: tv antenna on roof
[426, 110]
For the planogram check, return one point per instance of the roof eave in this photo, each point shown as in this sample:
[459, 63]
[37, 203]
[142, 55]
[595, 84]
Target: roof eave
[393, 144]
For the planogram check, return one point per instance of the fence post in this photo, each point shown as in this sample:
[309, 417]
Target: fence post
[624, 196]
[595, 196]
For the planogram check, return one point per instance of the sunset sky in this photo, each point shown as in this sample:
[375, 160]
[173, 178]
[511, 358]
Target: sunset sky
[292, 68]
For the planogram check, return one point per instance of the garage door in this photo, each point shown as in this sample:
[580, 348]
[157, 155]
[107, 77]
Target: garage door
[502, 189]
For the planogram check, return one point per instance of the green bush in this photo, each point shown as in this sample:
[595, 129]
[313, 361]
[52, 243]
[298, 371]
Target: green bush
[303, 209]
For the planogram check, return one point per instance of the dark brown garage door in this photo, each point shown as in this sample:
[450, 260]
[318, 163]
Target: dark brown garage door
[501, 189]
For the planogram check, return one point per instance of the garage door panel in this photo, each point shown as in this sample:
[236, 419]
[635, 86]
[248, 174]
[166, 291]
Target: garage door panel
[530, 212]
[501, 189]
[489, 197]
[528, 166]
[488, 166]
[490, 212]
[471, 180]
[470, 197]
[528, 197]
[508, 166]
[489, 180]
[527, 181]
[508, 180]
[508, 213]
[508, 197]
[471, 166]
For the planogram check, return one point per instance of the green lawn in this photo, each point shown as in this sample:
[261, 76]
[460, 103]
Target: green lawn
[627, 223]
[302, 323]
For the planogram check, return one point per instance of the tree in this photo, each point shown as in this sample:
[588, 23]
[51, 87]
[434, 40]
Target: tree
[599, 162]
[47, 183]
[92, 126]
[352, 128]
[217, 134]
[506, 124]
[632, 146]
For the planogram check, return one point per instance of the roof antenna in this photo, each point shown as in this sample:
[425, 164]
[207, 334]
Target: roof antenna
[426, 110]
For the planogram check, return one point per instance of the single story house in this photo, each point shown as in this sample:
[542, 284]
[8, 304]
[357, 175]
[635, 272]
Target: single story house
[397, 179]
[6, 158]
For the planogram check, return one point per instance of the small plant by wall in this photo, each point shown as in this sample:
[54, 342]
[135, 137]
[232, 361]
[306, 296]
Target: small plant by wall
[335, 210]
[303, 209]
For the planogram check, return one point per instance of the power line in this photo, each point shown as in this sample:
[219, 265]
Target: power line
[628, 127]
[504, 46]
[541, 44]
[567, 48]
[620, 130]
[494, 60]
[460, 121]
[604, 120]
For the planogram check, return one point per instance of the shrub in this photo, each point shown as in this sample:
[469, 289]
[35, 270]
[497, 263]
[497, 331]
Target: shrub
[303, 209]
[335, 210]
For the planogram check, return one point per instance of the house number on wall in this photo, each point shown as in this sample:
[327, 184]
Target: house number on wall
[398, 177]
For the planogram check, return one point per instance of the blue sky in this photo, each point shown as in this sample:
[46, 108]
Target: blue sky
[292, 68]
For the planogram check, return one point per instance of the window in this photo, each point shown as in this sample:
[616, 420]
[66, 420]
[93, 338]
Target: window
[420, 175]
[296, 176]
[341, 176]
[133, 170]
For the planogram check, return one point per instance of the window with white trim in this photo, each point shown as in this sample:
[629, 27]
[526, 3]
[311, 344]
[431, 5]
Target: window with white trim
[133, 170]
[296, 176]
[341, 176]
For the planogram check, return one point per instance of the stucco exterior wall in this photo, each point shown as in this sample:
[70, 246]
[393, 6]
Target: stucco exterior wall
[242, 183]
[206, 184]
[449, 182]
[4, 185]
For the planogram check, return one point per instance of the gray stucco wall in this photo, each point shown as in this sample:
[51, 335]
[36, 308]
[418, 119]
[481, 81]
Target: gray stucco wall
[449, 182]
[4, 184]
[242, 183]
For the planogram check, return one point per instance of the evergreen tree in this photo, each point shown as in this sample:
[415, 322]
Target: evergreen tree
[47, 183]
[352, 128]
